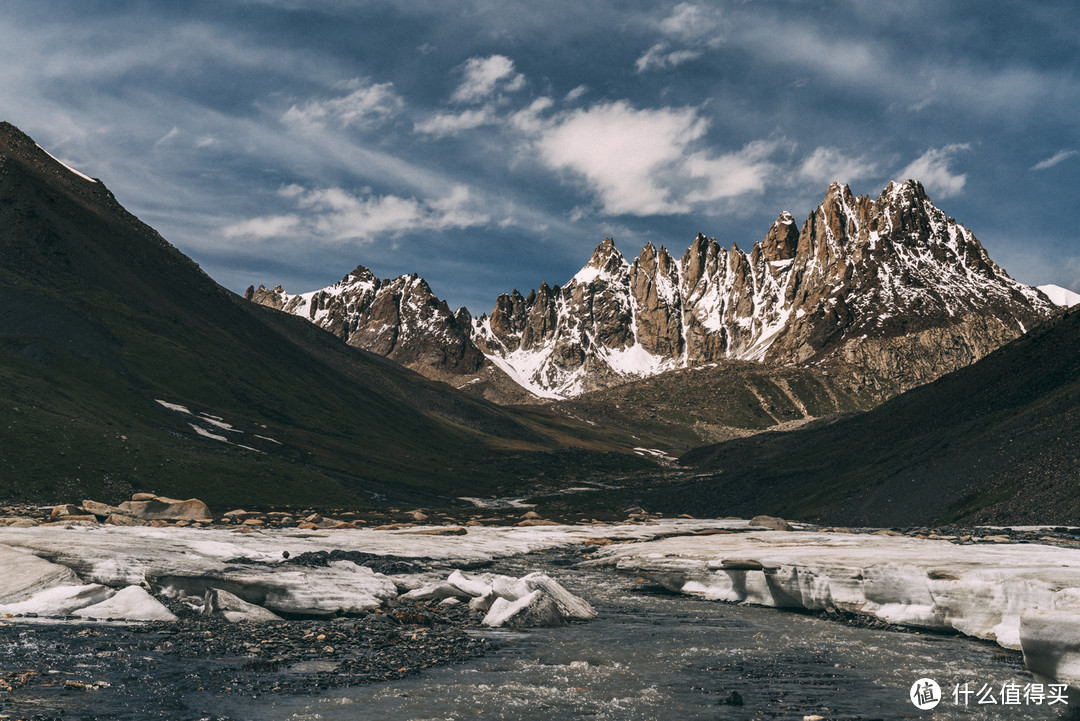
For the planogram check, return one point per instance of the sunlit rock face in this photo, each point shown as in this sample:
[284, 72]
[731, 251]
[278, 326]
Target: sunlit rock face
[890, 286]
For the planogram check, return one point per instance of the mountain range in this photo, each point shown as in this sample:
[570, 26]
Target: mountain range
[889, 291]
[124, 367]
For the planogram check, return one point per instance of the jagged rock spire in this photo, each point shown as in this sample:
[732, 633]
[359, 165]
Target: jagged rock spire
[874, 282]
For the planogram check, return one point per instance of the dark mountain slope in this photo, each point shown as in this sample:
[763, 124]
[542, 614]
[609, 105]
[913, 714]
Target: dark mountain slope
[100, 319]
[998, 441]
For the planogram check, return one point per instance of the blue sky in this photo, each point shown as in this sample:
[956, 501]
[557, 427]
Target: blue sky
[491, 145]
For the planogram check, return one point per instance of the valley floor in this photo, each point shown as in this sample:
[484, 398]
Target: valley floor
[351, 636]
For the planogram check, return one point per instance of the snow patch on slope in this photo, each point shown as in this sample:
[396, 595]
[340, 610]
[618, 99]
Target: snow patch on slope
[1060, 296]
[81, 175]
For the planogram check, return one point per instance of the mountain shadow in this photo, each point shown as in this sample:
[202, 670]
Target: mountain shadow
[996, 442]
[124, 367]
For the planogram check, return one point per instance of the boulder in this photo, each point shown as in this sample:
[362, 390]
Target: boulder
[771, 523]
[166, 509]
[80, 520]
[129, 604]
[222, 604]
[448, 531]
[118, 519]
[17, 522]
[103, 510]
[65, 509]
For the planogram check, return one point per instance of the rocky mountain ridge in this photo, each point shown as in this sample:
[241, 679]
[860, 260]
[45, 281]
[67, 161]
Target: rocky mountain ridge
[890, 287]
[399, 318]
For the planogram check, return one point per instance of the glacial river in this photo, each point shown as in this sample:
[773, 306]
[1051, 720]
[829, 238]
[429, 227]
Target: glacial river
[655, 655]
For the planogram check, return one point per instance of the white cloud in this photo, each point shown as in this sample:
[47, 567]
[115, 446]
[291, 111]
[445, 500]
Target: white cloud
[169, 136]
[643, 162]
[731, 175]
[826, 164]
[529, 119]
[659, 57]
[442, 124]
[688, 31]
[456, 210]
[622, 152]
[1055, 159]
[702, 24]
[365, 107]
[576, 93]
[267, 226]
[336, 215]
[932, 170]
[484, 77]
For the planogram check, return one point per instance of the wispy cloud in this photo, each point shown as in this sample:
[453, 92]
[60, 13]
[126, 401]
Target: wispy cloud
[169, 136]
[483, 77]
[365, 107]
[1054, 159]
[267, 226]
[661, 56]
[576, 93]
[336, 215]
[827, 164]
[731, 175]
[442, 124]
[688, 31]
[695, 23]
[933, 171]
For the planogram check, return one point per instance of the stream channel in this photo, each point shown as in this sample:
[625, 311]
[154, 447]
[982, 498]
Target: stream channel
[650, 654]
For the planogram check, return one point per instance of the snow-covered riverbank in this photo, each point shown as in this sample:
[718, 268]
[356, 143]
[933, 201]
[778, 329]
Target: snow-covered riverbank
[1023, 596]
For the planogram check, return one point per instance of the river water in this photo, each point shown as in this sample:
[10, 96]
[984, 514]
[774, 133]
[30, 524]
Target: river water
[655, 655]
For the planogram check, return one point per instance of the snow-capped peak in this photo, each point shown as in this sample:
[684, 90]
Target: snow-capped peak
[1060, 296]
[859, 269]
